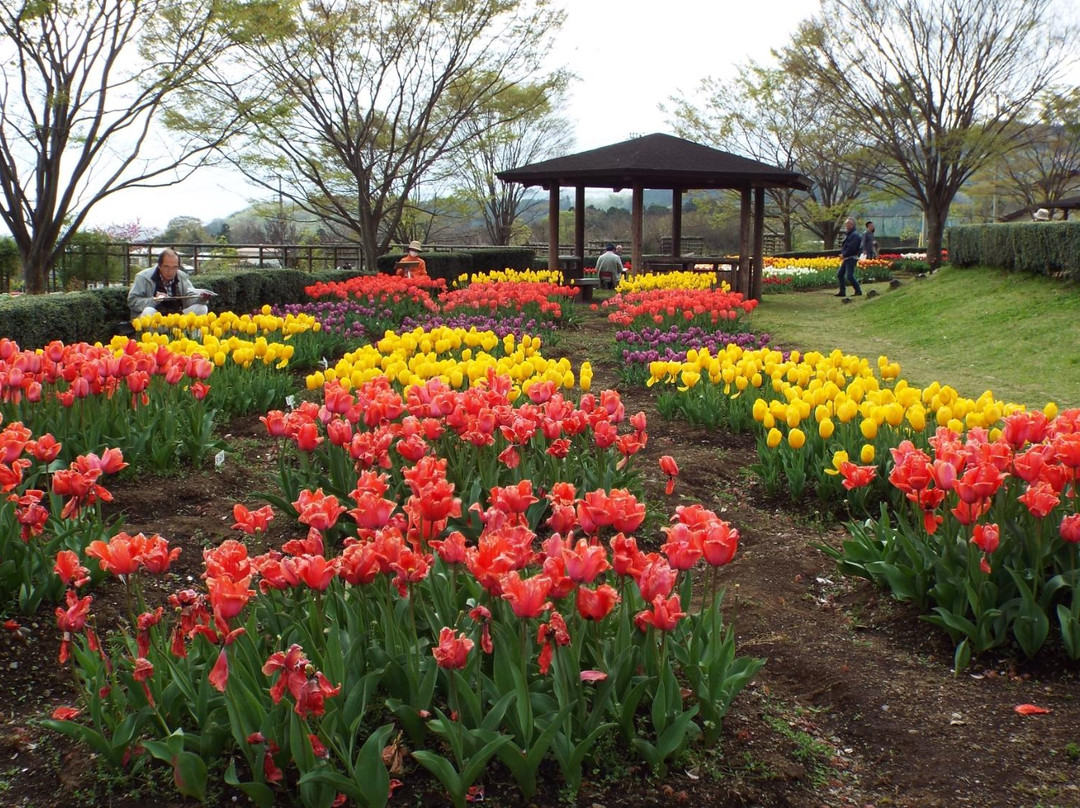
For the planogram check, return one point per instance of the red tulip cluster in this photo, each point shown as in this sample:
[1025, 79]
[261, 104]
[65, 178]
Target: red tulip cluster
[83, 370]
[1038, 458]
[488, 297]
[380, 289]
[679, 306]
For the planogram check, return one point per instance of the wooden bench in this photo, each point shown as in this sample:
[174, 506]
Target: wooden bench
[586, 285]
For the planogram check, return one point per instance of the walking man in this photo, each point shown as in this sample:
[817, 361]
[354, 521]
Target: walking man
[849, 259]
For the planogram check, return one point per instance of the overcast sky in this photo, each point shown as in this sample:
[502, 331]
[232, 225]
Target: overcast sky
[629, 55]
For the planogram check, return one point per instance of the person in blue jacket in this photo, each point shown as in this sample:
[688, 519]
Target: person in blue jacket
[849, 259]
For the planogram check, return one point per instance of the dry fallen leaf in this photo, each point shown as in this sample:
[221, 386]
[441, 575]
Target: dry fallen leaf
[1030, 709]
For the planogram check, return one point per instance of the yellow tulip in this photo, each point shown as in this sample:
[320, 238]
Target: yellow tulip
[796, 438]
[868, 427]
[773, 439]
[867, 453]
[826, 428]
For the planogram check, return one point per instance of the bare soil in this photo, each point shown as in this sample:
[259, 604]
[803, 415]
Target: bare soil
[856, 705]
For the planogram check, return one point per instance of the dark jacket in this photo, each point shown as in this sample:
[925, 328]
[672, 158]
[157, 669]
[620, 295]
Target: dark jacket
[852, 244]
[868, 244]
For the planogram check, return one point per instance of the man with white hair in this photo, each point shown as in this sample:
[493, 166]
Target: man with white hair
[165, 288]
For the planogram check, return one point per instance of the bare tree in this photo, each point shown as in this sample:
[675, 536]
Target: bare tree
[774, 116]
[372, 98]
[85, 95]
[938, 89]
[1046, 167]
[497, 146]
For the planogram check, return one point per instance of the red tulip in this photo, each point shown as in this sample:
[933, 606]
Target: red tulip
[596, 604]
[1070, 528]
[664, 615]
[71, 572]
[527, 597]
[655, 579]
[453, 650]
[1040, 499]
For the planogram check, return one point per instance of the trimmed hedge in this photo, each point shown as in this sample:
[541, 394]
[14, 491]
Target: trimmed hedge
[95, 315]
[1045, 248]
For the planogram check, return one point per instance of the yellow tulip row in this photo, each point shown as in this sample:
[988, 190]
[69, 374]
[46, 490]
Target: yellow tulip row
[227, 322]
[826, 390]
[242, 352]
[667, 280]
[509, 275]
[459, 357]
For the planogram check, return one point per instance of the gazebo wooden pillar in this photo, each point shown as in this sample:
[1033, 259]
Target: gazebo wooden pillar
[676, 221]
[756, 284]
[743, 275]
[553, 226]
[578, 269]
[637, 209]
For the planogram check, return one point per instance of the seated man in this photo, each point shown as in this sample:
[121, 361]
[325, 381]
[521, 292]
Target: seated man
[165, 288]
[609, 268]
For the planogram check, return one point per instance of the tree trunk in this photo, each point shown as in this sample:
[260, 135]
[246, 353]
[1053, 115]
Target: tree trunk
[935, 231]
[37, 264]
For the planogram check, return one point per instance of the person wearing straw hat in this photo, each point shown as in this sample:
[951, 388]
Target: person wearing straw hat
[1041, 215]
[412, 265]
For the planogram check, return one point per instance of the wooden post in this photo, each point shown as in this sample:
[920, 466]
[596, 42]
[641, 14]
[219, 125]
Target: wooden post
[578, 270]
[553, 226]
[743, 280]
[676, 222]
[757, 283]
[637, 213]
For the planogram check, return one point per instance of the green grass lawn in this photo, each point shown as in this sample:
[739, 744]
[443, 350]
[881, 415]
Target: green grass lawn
[978, 329]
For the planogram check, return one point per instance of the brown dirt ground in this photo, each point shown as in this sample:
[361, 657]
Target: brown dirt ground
[856, 705]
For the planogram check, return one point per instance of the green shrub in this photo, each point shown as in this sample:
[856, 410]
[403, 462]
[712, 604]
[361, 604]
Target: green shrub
[1045, 248]
[493, 259]
[93, 315]
[87, 259]
[35, 320]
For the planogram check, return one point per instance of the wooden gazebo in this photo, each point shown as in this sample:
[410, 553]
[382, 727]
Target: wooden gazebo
[659, 162]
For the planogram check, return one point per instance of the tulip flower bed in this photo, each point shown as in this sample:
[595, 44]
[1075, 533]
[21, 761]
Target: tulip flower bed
[792, 274]
[705, 308]
[537, 300]
[543, 276]
[636, 350]
[43, 528]
[975, 501]
[517, 622]
[667, 280]
[390, 298]
[143, 399]
[461, 357]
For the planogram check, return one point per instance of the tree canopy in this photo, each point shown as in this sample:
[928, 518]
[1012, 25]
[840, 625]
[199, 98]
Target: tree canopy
[363, 101]
[938, 88]
[87, 92]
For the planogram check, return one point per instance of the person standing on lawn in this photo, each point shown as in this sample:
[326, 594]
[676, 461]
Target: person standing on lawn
[868, 248]
[849, 259]
[165, 288]
[609, 268]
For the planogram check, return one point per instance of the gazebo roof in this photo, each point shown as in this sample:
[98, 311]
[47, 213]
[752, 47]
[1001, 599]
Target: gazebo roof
[1065, 203]
[655, 161]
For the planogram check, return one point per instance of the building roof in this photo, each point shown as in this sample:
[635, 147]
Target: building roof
[1065, 203]
[655, 161]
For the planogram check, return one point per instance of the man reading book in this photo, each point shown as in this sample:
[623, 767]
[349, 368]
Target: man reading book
[165, 288]
[411, 265]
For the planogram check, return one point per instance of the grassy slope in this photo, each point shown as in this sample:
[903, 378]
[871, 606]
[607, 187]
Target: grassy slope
[976, 329]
